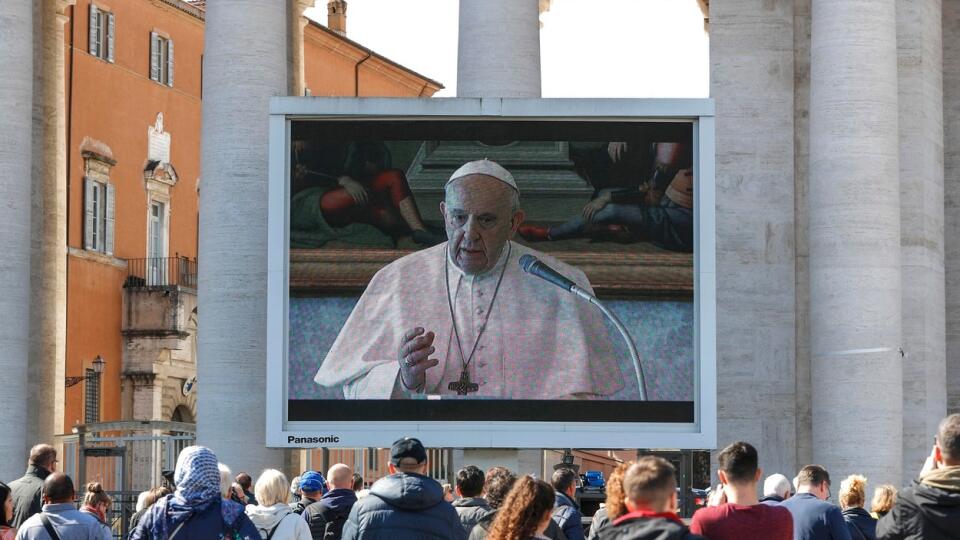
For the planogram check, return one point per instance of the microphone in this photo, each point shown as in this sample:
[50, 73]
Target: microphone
[535, 266]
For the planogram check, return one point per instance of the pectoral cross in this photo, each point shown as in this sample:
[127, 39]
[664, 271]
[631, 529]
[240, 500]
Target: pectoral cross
[463, 386]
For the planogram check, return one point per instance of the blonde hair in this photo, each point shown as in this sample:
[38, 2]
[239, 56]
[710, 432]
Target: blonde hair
[853, 491]
[883, 498]
[615, 504]
[95, 495]
[272, 488]
[226, 480]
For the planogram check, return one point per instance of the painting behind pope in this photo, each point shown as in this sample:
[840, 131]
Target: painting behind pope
[619, 208]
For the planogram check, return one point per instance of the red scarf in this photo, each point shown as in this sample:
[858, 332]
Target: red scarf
[95, 511]
[648, 514]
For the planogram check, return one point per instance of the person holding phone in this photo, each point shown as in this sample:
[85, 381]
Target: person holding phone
[930, 508]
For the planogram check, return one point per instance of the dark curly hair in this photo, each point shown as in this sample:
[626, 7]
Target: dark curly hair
[525, 507]
[497, 484]
[4, 493]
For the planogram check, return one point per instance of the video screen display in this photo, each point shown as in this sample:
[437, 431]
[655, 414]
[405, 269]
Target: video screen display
[431, 263]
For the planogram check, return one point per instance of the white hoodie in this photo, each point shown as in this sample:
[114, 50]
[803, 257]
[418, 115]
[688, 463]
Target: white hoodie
[292, 526]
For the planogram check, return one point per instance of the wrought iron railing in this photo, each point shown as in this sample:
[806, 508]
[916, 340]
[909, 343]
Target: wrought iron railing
[161, 272]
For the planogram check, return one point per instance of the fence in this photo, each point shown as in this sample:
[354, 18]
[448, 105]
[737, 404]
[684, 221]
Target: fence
[162, 272]
[125, 458]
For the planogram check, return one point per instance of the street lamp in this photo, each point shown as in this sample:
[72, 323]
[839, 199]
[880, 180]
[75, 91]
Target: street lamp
[98, 364]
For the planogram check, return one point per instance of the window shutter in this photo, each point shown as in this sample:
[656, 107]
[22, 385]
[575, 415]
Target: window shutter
[94, 31]
[154, 56]
[108, 223]
[89, 220]
[110, 29]
[169, 62]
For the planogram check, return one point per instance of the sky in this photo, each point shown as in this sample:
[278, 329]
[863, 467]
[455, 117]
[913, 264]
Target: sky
[588, 48]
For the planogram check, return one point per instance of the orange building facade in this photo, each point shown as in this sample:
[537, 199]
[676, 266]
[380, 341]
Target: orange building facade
[133, 100]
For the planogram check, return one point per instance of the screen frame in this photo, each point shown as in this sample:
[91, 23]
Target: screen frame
[700, 434]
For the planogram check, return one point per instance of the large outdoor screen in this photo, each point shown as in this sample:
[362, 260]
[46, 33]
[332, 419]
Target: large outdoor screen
[491, 273]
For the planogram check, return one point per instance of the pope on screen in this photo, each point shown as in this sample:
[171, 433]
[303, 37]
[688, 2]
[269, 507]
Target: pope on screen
[462, 319]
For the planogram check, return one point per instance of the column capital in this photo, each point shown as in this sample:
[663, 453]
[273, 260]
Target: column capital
[60, 6]
[300, 6]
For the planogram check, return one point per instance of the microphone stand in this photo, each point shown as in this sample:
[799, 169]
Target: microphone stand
[638, 368]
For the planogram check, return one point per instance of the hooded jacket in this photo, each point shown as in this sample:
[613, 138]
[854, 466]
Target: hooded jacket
[471, 510]
[403, 506]
[289, 526]
[930, 509]
[860, 523]
[647, 526]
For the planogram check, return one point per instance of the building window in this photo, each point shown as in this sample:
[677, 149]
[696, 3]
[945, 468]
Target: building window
[101, 33]
[91, 397]
[157, 244]
[99, 216]
[161, 59]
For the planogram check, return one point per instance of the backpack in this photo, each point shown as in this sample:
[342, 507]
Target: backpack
[333, 530]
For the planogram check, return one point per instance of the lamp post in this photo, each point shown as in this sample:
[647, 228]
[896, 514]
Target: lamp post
[98, 364]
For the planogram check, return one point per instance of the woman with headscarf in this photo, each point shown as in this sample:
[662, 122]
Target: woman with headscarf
[196, 510]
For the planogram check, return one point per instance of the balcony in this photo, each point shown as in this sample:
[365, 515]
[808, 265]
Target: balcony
[161, 273]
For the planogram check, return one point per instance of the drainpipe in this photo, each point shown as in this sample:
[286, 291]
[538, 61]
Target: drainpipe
[356, 75]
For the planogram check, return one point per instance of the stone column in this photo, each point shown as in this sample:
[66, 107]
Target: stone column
[245, 64]
[753, 49]
[499, 56]
[16, 103]
[296, 23]
[854, 209]
[498, 51]
[48, 279]
[920, 51]
[951, 181]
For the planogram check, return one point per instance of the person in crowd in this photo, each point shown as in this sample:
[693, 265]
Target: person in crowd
[566, 511]
[357, 482]
[852, 497]
[226, 481]
[743, 516]
[96, 502]
[614, 506]
[7, 532]
[883, 498]
[27, 490]
[197, 509]
[295, 493]
[151, 497]
[497, 484]
[272, 516]
[58, 516]
[776, 489]
[650, 490]
[526, 512]
[813, 517]
[470, 505]
[405, 504]
[448, 494]
[237, 495]
[328, 514]
[930, 509]
[245, 482]
[311, 489]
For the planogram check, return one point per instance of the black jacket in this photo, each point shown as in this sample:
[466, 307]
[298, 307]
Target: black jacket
[647, 528]
[403, 506]
[860, 523]
[929, 509]
[333, 508]
[27, 493]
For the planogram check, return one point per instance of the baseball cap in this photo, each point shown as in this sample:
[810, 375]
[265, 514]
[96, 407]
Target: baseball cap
[407, 447]
[311, 481]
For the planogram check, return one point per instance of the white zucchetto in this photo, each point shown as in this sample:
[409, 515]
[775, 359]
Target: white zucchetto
[484, 167]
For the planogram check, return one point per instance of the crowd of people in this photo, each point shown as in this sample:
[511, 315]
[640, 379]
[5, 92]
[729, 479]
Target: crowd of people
[208, 502]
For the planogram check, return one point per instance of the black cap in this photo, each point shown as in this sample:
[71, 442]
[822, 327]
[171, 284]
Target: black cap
[407, 447]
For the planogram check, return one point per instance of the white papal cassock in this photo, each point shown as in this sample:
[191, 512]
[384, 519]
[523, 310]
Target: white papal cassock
[541, 342]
